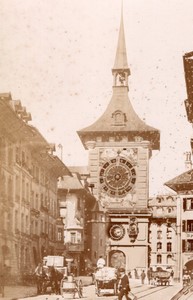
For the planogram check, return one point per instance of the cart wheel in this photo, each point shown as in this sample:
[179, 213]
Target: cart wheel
[97, 289]
[115, 288]
[80, 288]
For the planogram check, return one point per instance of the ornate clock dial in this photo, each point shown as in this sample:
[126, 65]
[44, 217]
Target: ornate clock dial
[117, 177]
[117, 232]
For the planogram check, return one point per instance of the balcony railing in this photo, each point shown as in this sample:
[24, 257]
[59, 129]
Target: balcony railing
[78, 247]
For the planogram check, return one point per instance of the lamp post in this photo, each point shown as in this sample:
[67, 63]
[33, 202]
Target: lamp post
[69, 260]
[108, 247]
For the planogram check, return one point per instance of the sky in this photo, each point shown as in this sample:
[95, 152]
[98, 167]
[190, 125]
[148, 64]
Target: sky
[56, 57]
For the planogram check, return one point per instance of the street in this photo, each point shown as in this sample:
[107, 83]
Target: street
[146, 292]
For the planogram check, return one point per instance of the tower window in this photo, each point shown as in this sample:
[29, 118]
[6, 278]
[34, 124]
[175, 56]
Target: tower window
[119, 118]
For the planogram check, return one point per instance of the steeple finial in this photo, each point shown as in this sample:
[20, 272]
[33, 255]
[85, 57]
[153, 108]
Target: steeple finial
[121, 68]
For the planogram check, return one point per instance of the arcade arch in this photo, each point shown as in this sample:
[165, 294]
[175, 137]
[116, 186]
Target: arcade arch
[117, 259]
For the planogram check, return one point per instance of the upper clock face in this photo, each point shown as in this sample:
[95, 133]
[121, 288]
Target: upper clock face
[117, 177]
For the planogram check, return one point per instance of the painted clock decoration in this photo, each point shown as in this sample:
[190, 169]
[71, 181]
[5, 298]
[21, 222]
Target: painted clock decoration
[117, 176]
[133, 229]
[117, 232]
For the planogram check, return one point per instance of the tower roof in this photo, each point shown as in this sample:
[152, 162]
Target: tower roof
[119, 119]
[182, 182]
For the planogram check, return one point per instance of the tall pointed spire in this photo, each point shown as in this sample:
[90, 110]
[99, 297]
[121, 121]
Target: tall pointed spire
[119, 122]
[121, 68]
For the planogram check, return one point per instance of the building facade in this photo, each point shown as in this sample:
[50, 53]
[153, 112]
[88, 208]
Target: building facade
[30, 227]
[162, 233]
[76, 205]
[183, 186]
[120, 145]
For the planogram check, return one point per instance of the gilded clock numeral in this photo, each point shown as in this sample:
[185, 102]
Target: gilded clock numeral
[133, 172]
[106, 165]
[113, 160]
[133, 180]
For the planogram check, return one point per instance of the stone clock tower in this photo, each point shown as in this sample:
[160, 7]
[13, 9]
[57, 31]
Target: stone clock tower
[120, 145]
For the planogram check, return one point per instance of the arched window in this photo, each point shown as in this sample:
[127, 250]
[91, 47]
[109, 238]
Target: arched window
[159, 246]
[159, 259]
[159, 234]
[169, 259]
[169, 247]
[169, 233]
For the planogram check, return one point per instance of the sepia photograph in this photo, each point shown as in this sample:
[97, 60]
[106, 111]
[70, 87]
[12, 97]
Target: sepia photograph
[96, 144]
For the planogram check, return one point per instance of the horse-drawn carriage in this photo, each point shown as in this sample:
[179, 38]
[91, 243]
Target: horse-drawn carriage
[70, 287]
[49, 279]
[106, 281]
[161, 277]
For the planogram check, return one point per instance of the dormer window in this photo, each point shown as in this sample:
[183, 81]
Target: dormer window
[119, 118]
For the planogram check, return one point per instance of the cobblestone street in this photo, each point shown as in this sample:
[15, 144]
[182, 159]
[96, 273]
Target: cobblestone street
[141, 291]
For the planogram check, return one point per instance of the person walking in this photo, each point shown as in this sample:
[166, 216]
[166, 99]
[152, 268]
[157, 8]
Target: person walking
[123, 285]
[149, 276]
[143, 275]
[100, 262]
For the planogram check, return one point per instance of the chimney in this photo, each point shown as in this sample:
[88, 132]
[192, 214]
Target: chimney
[188, 161]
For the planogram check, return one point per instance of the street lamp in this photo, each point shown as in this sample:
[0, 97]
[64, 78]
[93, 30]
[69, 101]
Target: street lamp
[69, 260]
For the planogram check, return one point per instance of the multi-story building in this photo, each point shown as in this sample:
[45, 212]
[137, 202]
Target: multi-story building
[30, 227]
[183, 186]
[76, 206]
[162, 233]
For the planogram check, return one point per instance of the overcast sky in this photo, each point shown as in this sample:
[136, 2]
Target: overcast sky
[56, 56]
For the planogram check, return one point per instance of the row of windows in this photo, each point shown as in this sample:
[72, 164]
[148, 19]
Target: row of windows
[187, 246]
[22, 224]
[168, 246]
[75, 237]
[6, 151]
[187, 225]
[188, 204]
[168, 234]
[168, 259]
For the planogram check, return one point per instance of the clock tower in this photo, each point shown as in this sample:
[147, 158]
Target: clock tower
[120, 145]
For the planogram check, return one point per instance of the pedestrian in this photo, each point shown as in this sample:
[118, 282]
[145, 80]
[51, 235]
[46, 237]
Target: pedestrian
[143, 275]
[136, 274]
[149, 276]
[172, 273]
[101, 262]
[123, 285]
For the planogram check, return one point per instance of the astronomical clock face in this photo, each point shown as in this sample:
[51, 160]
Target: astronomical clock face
[117, 177]
[116, 232]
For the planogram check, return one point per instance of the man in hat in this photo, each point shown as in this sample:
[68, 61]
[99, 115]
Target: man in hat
[123, 285]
